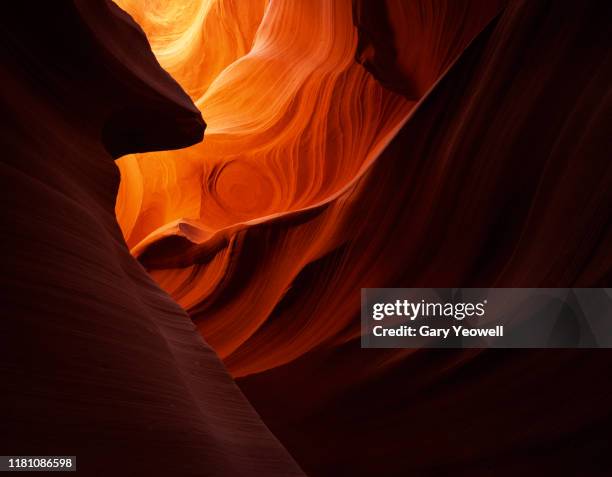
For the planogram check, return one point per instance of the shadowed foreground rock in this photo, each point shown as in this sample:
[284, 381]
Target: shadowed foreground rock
[97, 361]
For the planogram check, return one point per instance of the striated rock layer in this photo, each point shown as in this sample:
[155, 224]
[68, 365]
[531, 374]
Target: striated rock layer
[500, 176]
[228, 225]
[97, 361]
[387, 143]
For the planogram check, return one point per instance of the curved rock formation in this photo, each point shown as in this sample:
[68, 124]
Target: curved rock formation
[499, 177]
[97, 361]
[435, 164]
[294, 123]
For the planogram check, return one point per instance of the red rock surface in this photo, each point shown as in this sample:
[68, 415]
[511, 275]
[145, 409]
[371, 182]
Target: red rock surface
[97, 361]
[488, 166]
[349, 144]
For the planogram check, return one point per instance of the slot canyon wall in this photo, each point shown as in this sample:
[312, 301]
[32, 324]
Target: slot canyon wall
[96, 360]
[372, 144]
[259, 162]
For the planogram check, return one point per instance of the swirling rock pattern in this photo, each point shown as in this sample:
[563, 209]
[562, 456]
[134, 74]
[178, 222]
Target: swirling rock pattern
[499, 177]
[386, 143]
[298, 98]
[97, 361]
